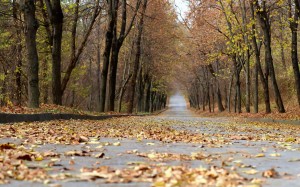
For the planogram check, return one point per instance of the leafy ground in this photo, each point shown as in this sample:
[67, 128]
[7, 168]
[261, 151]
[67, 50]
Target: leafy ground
[292, 113]
[149, 151]
[46, 108]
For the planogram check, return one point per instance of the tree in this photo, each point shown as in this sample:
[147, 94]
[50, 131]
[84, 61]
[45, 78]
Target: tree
[111, 13]
[117, 43]
[264, 20]
[136, 63]
[31, 27]
[56, 18]
[294, 19]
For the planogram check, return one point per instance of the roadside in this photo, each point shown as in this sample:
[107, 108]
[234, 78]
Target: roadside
[290, 117]
[53, 112]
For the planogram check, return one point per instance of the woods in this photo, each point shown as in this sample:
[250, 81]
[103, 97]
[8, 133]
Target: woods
[129, 55]
[244, 55]
[93, 55]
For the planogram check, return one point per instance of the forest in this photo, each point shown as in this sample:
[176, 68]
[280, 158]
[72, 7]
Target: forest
[160, 93]
[244, 55]
[131, 55]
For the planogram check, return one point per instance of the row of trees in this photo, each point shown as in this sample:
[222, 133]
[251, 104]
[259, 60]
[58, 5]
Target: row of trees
[99, 55]
[249, 46]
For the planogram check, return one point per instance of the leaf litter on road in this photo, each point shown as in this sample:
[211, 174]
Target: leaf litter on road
[16, 159]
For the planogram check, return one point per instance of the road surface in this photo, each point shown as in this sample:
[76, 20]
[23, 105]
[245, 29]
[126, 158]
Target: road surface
[263, 155]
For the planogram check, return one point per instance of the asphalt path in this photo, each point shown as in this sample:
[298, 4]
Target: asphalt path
[269, 154]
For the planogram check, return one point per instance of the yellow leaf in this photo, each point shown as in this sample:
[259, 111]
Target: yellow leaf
[39, 158]
[159, 184]
[275, 155]
[260, 155]
[251, 172]
[117, 144]
[152, 155]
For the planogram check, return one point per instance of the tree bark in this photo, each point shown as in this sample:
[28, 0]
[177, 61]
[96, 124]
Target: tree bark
[266, 28]
[229, 93]
[32, 55]
[98, 73]
[263, 78]
[148, 95]
[219, 96]
[238, 99]
[247, 53]
[106, 53]
[57, 24]
[117, 43]
[294, 47]
[18, 47]
[137, 59]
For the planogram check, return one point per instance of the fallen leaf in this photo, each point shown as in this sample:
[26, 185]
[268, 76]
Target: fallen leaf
[260, 155]
[275, 154]
[72, 162]
[271, 173]
[251, 172]
[83, 139]
[117, 143]
[150, 144]
[100, 155]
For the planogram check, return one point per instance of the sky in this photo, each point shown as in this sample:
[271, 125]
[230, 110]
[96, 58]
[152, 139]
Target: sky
[181, 6]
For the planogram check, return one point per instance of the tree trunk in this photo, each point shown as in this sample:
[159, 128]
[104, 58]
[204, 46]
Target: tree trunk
[219, 96]
[110, 100]
[269, 60]
[141, 89]
[266, 28]
[117, 43]
[203, 98]
[18, 47]
[294, 52]
[263, 78]
[208, 96]
[238, 100]
[247, 53]
[281, 42]
[57, 23]
[106, 53]
[137, 59]
[148, 96]
[32, 55]
[229, 93]
[45, 82]
[256, 101]
[98, 69]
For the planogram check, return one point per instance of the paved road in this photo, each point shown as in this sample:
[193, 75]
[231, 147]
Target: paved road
[178, 111]
[255, 155]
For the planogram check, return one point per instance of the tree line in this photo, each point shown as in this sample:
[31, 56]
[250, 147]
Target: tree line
[244, 55]
[92, 54]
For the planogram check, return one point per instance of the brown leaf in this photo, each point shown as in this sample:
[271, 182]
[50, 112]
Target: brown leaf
[25, 157]
[7, 146]
[271, 173]
[100, 155]
[83, 139]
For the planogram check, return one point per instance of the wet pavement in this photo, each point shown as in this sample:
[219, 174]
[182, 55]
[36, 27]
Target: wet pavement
[256, 155]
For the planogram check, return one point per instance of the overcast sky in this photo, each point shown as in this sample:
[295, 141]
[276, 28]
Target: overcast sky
[181, 6]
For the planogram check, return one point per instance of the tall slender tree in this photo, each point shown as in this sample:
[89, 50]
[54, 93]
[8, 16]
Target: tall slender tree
[31, 27]
[137, 58]
[294, 22]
